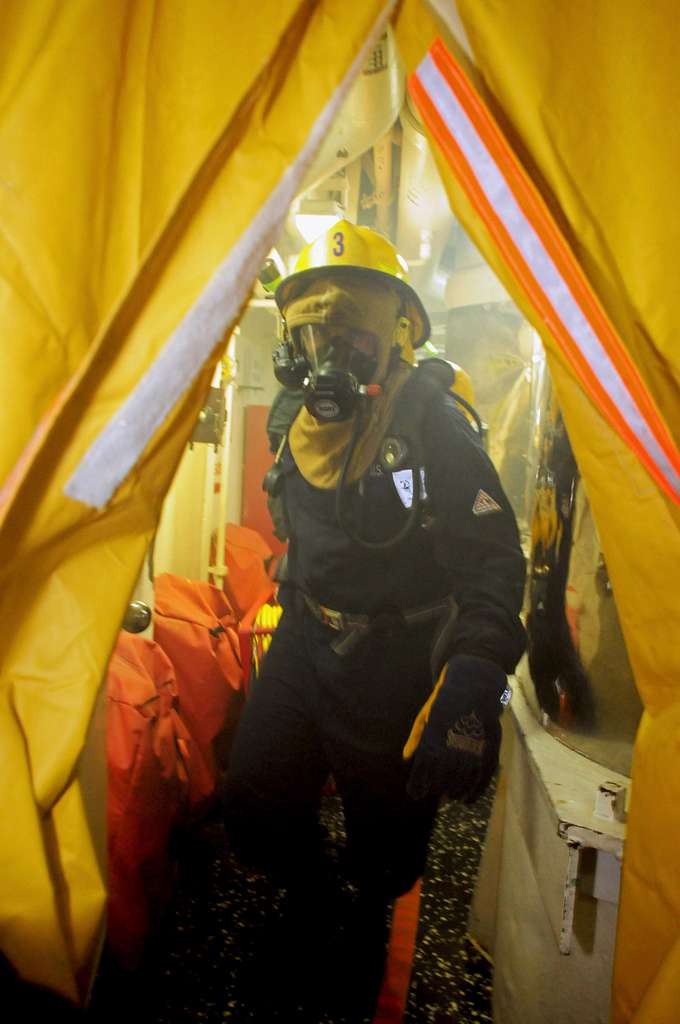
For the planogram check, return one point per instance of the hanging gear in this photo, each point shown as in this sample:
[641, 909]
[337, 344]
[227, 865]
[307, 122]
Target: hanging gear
[563, 687]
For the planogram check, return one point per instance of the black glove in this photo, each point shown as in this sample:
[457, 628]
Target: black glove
[457, 735]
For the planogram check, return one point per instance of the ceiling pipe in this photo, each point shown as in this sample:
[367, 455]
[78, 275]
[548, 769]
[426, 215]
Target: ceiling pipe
[424, 219]
[371, 108]
[382, 162]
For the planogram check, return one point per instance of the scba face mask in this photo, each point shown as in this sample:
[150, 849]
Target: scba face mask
[347, 349]
[341, 362]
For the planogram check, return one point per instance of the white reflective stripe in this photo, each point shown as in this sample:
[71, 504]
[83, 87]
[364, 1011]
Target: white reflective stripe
[539, 261]
[120, 444]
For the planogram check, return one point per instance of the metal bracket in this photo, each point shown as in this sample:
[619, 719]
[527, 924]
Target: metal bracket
[569, 897]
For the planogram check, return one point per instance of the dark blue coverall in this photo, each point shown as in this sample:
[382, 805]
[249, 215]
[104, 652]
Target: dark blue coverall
[313, 712]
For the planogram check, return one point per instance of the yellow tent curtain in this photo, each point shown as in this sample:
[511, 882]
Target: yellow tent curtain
[141, 142]
[583, 93]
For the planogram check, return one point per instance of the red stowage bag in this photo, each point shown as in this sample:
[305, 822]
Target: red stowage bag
[195, 626]
[150, 757]
[247, 557]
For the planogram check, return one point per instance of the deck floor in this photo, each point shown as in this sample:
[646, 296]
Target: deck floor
[207, 942]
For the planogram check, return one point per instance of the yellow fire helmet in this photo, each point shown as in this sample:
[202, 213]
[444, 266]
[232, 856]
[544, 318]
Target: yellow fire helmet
[357, 250]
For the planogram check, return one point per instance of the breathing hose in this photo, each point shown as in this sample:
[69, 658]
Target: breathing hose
[471, 409]
[412, 517]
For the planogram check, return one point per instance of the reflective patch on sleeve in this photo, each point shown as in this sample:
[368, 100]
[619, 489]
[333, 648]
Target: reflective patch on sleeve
[484, 504]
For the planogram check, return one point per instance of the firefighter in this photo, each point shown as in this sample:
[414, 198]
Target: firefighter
[388, 670]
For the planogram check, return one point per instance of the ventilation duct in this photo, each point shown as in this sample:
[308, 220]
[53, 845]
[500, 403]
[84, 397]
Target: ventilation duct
[424, 219]
[371, 108]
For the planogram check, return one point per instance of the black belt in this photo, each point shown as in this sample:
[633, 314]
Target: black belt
[354, 627]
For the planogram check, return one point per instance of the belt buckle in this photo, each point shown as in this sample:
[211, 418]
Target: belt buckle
[329, 617]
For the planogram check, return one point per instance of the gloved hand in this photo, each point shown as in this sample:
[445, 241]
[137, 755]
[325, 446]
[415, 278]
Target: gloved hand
[456, 737]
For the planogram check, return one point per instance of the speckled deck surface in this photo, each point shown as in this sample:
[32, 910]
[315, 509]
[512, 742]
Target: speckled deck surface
[206, 954]
[451, 981]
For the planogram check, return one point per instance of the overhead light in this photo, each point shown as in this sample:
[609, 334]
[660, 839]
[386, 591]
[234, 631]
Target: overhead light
[314, 216]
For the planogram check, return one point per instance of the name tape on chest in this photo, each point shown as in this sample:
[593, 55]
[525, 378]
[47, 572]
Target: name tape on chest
[484, 504]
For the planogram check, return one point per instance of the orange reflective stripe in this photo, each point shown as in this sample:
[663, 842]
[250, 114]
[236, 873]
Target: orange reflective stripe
[522, 273]
[539, 258]
[536, 210]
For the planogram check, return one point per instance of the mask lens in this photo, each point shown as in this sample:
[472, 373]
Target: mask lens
[314, 345]
[339, 348]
